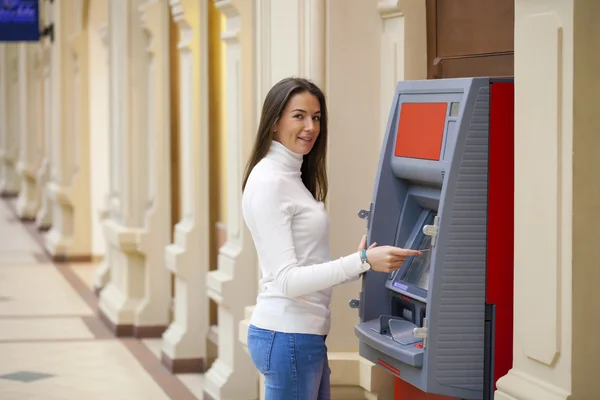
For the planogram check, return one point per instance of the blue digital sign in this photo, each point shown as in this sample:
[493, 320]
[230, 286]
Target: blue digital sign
[19, 21]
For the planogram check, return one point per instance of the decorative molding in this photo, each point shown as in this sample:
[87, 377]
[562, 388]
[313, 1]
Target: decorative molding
[541, 331]
[186, 33]
[389, 8]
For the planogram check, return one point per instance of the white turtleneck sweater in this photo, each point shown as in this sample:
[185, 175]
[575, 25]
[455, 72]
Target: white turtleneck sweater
[290, 230]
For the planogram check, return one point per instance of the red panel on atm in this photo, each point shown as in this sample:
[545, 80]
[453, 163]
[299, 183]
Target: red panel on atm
[421, 130]
[500, 252]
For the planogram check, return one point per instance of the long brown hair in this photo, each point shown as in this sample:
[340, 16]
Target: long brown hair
[314, 168]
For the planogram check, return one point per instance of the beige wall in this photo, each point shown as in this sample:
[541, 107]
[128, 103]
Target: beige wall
[353, 93]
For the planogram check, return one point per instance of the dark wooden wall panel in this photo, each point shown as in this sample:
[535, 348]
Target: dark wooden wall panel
[470, 38]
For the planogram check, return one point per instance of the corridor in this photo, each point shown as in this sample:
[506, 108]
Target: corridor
[53, 346]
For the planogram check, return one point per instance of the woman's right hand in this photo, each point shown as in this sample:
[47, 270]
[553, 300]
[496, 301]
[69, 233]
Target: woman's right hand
[388, 258]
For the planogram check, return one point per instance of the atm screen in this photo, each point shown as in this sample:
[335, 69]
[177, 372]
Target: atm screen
[417, 270]
[413, 277]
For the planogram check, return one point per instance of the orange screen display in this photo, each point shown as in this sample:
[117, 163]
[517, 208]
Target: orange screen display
[421, 130]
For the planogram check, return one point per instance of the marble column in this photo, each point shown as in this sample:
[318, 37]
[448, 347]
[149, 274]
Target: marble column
[137, 298]
[10, 181]
[556, 301]
[233, 285]
[43, 218]
[3, 96]
[69, 184]
[184, 345]
[31, 127]
[102, 271]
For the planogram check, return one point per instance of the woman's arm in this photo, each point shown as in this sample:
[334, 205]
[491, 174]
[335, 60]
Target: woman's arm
[272, 213]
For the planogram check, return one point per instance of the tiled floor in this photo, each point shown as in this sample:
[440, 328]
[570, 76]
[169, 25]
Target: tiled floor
[52, 345]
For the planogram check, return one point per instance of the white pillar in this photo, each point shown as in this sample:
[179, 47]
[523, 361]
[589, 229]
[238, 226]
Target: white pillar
[31, 124]
[69, 185]
[137, 298]
[233, 286]
[184, 343]
[556, 301]
[3, 96]
[102, 271]
[43, 219]
[9, 140]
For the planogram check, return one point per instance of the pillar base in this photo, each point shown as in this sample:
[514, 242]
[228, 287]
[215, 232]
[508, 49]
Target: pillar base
[124, 300]
[57, 245]
[9, 195]
[149, 332]
[101, 277]
[184, 365]
[116, 312]
[43, 219]
[28, 202]
[232, 376]
[220, 383]
[176, 357]
[518, 385]
[27, 208]
[119, 330]
[11, 181]
[129, 330]
[179, 352]
[69, 238]
[185, 342]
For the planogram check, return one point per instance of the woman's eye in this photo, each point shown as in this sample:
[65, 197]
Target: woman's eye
[316, 118]
[298, 116]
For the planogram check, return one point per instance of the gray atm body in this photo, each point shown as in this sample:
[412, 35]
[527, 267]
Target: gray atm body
[444, 288]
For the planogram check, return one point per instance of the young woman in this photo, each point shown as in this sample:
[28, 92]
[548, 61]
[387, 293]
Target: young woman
[284, 188]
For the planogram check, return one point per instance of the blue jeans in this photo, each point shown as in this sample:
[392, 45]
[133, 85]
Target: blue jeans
[294, 365]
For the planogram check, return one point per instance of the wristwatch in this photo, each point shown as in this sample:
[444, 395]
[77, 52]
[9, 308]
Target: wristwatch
[365, 263]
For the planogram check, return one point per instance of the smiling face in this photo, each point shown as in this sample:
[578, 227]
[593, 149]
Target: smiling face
[294, 113]
[300, 123]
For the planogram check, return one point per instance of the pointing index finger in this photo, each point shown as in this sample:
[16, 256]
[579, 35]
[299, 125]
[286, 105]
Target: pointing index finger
[408, 252]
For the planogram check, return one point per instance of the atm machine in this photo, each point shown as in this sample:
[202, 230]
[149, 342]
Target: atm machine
[443, 322]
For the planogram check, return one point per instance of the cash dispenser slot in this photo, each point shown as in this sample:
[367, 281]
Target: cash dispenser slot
[393, 336]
